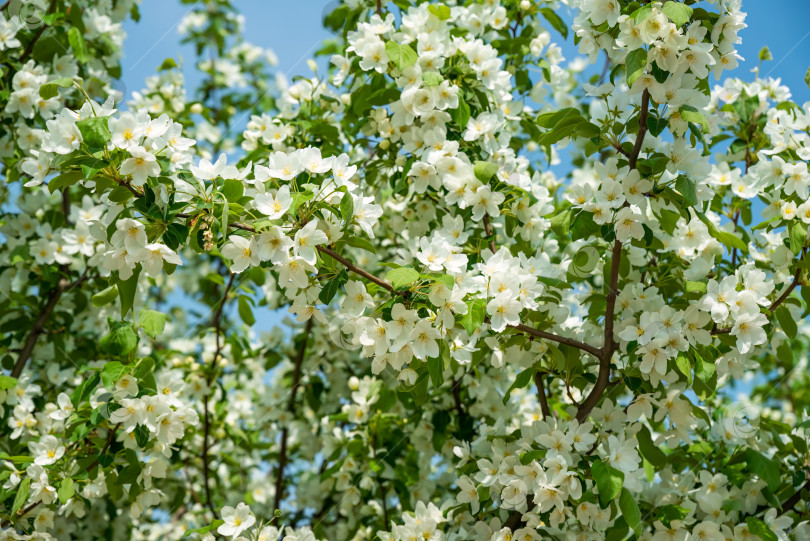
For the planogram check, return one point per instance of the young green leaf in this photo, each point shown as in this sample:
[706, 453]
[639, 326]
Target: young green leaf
[400, 54]
[402, 277]
[634, 63]
[630, 510]
[609, 481]
[678, 13]
[78, 45]
[152, 322]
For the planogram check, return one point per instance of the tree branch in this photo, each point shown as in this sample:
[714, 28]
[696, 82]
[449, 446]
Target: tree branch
[490, 234]
[39, 324]
[282, 459]
[217, 324]
[791, 502]
[30, 48]
[609, 345]
[555, 338]
[355, 269]
[541, 395]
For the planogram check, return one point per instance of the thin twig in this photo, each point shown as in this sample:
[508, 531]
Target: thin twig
[609, 345]
[541, 395]
[282, 459]
[490, 234]
[217, 324]
[355, 269]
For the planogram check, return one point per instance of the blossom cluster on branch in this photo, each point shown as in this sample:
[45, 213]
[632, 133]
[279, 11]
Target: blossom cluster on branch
[523, 290]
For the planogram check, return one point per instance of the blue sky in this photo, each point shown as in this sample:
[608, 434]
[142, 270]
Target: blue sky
[293, 30]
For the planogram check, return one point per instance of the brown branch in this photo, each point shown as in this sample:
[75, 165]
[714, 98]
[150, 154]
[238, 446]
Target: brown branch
[489, 232]
[30, 48]
[791, 502]
[355, 269]
[541, 395]
[217, 324]
[642, 129]
[556, 338]
[282, 459]
[609, 345]
[110, 438]
[39, 324]
[379, 8]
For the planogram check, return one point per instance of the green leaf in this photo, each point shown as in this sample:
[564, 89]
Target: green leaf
[347, 208]
[432, 78]
[695, 287]
[684, 367]
[94, 130]
[402, 277]
[760, 529]
[152, 322]
[205, 529]
[687, 189]
[583, 227]
[440, 10]
[522, 380]
[691, 114]
[22, 496]
[807, 77]
[65, 180]
[786, 321]
[332, 286]
[609, 481]
[420, 389]
[167, 64]
[400, 54]
[461, 114]
[797, 231]
[298, 199]
[555, 21]
[653, 454]
[245, 310]
[630, 510]
[678, 13]
[105, 296]
[765, 468]
[668, 513]
[361, 243]
[435, 370]
[474, 317]
[728, 239]
[563, 117]
[634, 65]
[561, 222]
[7, 382]
[484, 171]
[127, 289]
[233, 190]
[121, 339]
[51, 88]
[111, 373]
[765, 54]
[78, 45]
[66, 490]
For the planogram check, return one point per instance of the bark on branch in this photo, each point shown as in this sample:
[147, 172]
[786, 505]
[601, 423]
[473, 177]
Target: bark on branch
[282, 459]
